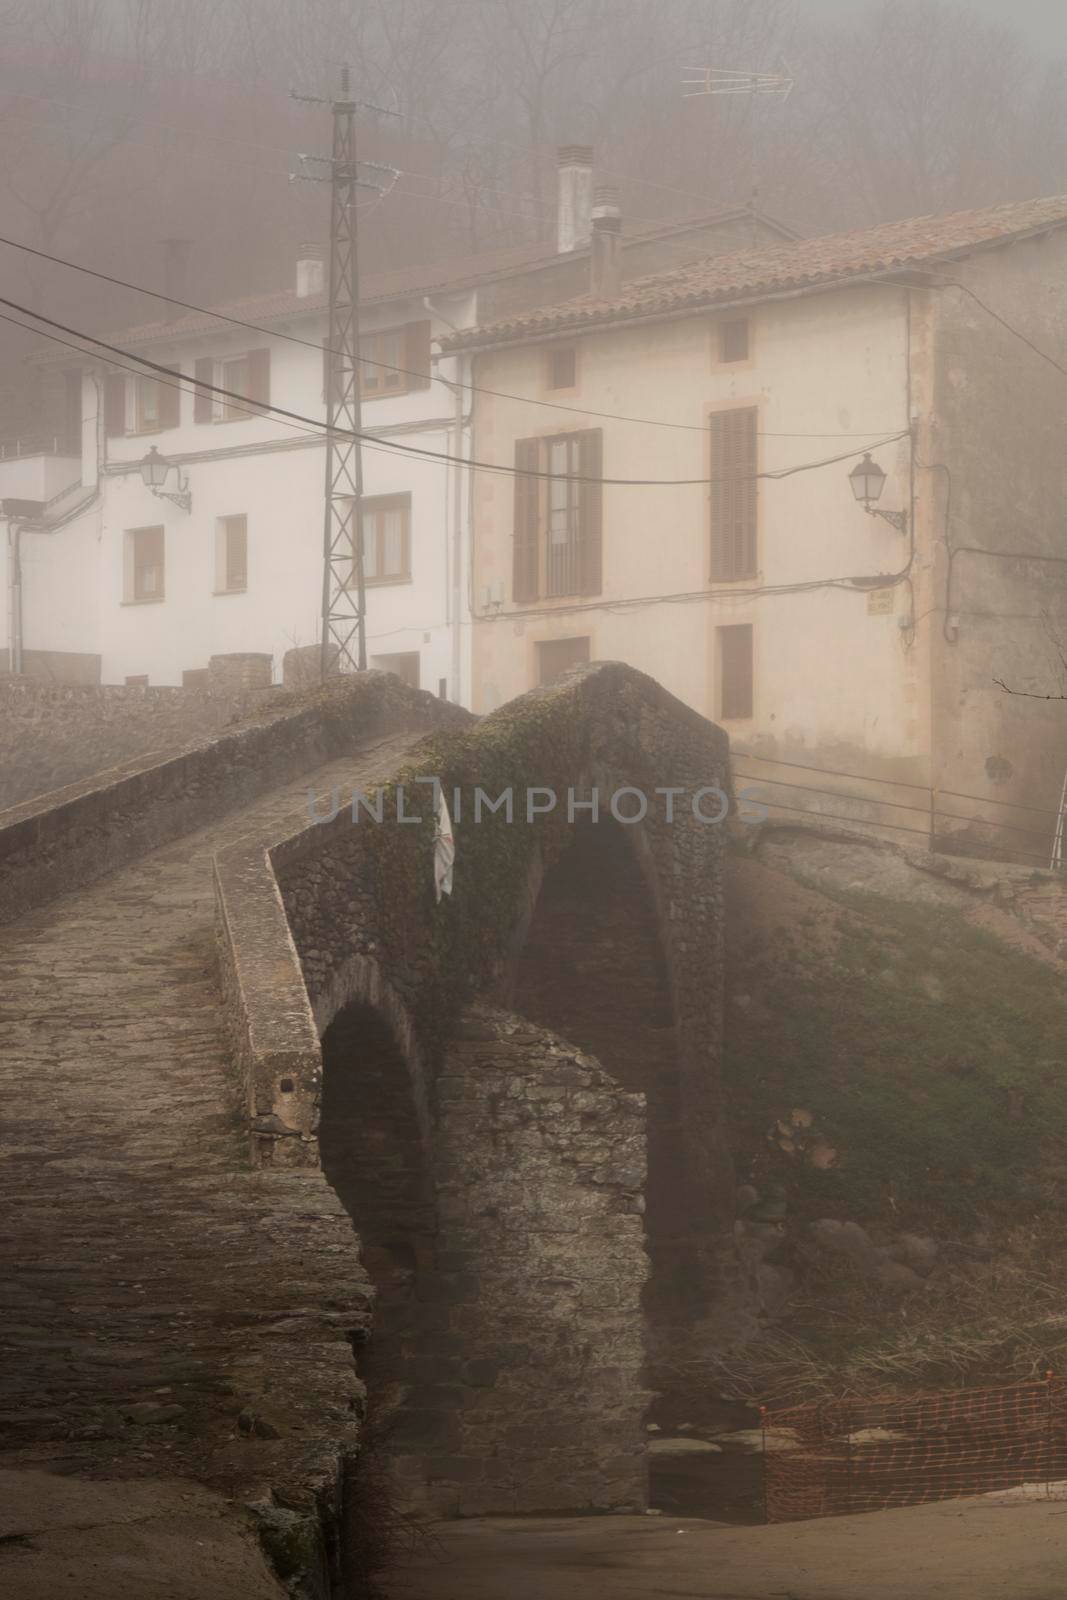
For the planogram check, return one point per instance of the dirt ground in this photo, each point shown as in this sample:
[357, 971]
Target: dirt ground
[169, 1539]
[986, 1549]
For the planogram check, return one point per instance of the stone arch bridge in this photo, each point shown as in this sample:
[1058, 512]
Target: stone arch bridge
[238, 1022]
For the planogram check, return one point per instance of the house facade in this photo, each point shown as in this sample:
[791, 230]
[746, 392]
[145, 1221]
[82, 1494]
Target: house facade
[107, 581]
[690, 508]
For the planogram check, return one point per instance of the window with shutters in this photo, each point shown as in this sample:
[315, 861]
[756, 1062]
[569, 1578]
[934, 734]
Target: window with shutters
[246, 379]
[557, 534]
[386, 539]
[735, 672]
[231, 555]
[733, 494]
[143, 578]
[139, 405]
[395, 360]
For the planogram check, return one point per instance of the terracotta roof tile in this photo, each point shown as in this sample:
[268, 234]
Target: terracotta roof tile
[795, 266]
[281, 305]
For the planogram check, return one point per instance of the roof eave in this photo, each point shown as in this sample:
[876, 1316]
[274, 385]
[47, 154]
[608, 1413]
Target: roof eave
[914, 274]
[906, 278]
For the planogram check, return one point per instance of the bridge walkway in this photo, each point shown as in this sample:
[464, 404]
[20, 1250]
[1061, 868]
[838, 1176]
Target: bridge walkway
[165, 1310]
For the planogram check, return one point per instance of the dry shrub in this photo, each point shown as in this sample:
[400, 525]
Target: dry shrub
[380, 1534]
[989, 1315]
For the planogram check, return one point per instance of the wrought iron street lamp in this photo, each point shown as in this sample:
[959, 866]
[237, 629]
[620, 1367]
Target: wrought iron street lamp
[155, 470]
[868, 481]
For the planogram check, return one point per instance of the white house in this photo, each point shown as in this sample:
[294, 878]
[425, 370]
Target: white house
[107, 581]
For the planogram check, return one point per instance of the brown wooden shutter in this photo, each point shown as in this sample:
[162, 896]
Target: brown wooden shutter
[203, 404]
[259, 376]
[590, 511]
[170, 400]
[416, 355]
[527, 521]
[733, 494]
[114, 404]
[735, 662]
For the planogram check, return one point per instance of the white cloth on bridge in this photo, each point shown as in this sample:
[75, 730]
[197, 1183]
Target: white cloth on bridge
[444, 848]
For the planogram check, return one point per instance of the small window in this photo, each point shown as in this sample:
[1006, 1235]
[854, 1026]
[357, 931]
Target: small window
[247, 378]
[387, 539]
[405, 664]
[144, 564]
[556, 656]
[735, 672]
[147, 416]
[234, 376]
[231, 555]
[733, 340]
[394, 360]
[382, 356]
[562, 366]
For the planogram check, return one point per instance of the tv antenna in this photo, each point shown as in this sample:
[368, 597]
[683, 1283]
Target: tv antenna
[727, 80]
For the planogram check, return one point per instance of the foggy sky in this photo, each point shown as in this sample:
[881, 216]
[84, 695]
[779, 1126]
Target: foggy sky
[1042, 22]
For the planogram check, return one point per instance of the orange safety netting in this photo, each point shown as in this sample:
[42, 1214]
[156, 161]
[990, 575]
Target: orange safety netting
[839, 1456]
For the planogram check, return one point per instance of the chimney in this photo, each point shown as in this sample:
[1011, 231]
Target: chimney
[574, 196]
[605, 263]
[176, 273]
[310, 271]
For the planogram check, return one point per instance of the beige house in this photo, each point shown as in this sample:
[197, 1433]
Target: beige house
[685, 501]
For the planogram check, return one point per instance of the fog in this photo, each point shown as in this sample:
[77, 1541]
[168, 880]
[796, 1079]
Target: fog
[532, 799]
[130, 121]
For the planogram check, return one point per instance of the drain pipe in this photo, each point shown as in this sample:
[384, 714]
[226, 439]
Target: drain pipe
[456, 596]
[14, 596]
[16, 526]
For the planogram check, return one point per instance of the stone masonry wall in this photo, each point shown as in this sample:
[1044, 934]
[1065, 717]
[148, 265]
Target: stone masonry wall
[540, 1161]
[55, 734]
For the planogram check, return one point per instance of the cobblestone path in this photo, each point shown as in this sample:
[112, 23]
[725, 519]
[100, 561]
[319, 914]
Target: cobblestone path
[164, 1308]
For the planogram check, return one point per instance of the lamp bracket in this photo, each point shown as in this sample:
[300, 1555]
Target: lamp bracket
[896, 519]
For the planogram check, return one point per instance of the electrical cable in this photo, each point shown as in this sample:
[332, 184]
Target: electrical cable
[394, 446]
[893, 783]
[894, 805]
[385, 366]
[894, 827]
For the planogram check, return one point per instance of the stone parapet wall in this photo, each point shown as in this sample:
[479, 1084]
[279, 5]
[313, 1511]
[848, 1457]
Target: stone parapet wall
[74, 835]
[53, 735]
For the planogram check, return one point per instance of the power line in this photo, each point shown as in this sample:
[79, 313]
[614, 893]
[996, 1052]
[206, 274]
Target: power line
[366, 361]
[894, 827]
[259, 407]
[849, 585]
[893, 805]
[892, 783]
